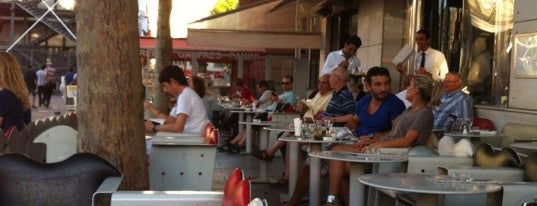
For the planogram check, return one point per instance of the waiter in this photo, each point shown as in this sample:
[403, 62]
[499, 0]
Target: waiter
[427, 60]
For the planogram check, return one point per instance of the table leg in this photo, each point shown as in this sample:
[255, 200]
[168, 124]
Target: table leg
[495, 198]
[249, 117]
[248, 135]
[241, 119]
[427, 199]
[293, 166]
[315, 176]
[248, 139]
[315, 179]
[263, 165]
[356, 188]
[373, 196]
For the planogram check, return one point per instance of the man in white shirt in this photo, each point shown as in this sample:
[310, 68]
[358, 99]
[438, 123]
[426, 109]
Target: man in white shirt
[188, 115]
[427, 60]
[346, 57]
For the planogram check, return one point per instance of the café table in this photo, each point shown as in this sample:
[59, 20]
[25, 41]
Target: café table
[246, 116]
[248, 134]
[227, 107]
[285, 128]
[263, 144]
[356, 189]
[431, 189]
[525, 147]
[475, 137]
[315, 163]
[439, 129]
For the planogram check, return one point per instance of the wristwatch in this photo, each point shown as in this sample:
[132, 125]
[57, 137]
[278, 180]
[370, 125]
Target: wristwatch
[154, 128]
[371, 135]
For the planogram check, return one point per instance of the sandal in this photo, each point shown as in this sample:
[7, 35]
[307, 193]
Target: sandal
[224, 147]
[337, 202]
[234, 148]
[280, 183]
[262, 155]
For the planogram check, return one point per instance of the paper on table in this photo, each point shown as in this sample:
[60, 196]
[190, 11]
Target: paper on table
[157, 121]
[403, 54]
[297, 123]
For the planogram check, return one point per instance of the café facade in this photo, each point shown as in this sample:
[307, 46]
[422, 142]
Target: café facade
[490, 43]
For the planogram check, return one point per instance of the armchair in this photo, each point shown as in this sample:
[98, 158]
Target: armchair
[73, 181]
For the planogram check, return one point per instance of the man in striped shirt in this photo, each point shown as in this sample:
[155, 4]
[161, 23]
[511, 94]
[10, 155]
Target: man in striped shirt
[453, 103]
[342, 102]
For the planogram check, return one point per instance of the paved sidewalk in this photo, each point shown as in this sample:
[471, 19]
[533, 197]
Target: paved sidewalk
[56, 107]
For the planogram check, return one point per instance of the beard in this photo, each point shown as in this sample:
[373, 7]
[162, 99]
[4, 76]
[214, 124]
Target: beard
[380, 95]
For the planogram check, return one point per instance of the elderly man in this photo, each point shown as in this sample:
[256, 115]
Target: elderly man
[427, 61]
[453, 103]
[342, 102]
[188, 115]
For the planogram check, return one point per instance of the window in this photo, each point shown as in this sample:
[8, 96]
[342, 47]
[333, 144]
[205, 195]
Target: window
[486, 50]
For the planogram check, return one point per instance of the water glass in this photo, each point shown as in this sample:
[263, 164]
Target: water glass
[317, 132]
[462, 177]
[329, 127]
[305, 130]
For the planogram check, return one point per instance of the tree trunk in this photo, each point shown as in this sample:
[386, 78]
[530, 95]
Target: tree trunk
[163, 52]
[110, 90]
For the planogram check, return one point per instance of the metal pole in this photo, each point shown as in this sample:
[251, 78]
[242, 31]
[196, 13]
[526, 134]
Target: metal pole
[57, 17]
[12, 32]
[31, 27]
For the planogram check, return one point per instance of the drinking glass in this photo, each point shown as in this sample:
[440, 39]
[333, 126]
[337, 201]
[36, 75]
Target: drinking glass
[305, 130]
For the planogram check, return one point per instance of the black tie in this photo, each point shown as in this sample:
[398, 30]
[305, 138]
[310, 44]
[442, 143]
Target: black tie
[422, 63]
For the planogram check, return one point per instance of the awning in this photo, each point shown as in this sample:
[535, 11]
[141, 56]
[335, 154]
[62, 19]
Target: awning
[255, 26]
[181, 44]
[257, 39]
[183, 52]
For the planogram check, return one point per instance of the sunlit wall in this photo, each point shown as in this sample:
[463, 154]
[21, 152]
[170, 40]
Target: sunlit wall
[183, 12]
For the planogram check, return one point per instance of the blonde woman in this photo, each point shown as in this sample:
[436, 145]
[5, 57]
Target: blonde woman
[14, 100]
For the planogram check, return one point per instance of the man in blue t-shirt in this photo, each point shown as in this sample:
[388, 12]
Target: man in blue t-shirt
[376, 111]
[70, 76]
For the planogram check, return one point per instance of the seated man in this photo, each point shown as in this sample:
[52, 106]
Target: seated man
[376, 111]
[413, 127]
[288, 96]
[342, 102]
[311, 108]
[188, 115]
[454, 103]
